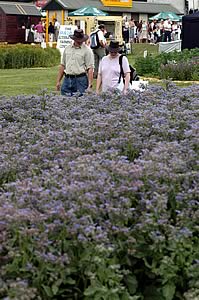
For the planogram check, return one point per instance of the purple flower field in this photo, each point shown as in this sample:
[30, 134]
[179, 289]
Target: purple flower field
[99, 196]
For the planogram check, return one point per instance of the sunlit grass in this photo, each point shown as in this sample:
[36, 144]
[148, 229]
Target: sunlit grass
[27, 81]
[138, 51]
[32, 81]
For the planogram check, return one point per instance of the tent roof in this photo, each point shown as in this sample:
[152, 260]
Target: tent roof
[19, 8]
[164, 15]
[138, 7]
[88, 11]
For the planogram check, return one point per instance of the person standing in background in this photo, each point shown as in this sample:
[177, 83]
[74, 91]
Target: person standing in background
[155, 32]
[174, 31]
[39, 32]
[144, 33]
[132, 29]
[161, 27]
[100, 51]
[51, 32]
[125, 29]
[139, 30]
[56, 28]
[31, 34]
[167, 30]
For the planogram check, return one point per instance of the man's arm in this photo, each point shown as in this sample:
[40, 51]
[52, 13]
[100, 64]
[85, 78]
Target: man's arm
[90, 78]
[59, 77]
[89, 65]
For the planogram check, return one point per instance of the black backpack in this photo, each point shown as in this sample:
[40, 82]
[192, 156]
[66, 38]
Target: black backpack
[94, 40]
[133, 74]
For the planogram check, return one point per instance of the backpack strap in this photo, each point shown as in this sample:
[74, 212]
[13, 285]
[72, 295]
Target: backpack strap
[97, 38]
[121, 69]
[95, 32]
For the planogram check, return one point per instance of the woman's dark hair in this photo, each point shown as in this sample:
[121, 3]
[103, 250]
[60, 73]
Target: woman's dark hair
[101, 26]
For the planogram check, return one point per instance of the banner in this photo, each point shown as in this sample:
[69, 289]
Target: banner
[63, 37]
[120, 3]
[170, 46]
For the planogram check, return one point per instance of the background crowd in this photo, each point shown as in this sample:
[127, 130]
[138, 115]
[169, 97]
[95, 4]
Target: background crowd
[150, 32]
[36, 33]
[132, 31]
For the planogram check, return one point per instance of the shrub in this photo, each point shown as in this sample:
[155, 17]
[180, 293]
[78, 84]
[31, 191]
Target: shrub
[179, 71]
[163, 65]
[27, 56]
[147, 66]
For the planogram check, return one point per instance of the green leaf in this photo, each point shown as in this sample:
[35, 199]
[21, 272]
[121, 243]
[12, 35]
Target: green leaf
[69, 280]
[55, 289]
[125, 296]
[132, 284]
[113, 297]
[59, 282]
[98, 297]
[169, 290]
[90, 291]
[93, 289]
[47, 290]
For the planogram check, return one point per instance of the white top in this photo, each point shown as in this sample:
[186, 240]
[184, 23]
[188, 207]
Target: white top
[109, 69]
[174, 27]
[101, 37]
[57, 25]
[167, 25]
[126, 24]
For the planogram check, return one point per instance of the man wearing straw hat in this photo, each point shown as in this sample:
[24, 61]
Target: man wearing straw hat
[77, 65]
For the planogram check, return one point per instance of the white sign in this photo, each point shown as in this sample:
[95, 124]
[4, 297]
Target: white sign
[145, 53]
[170, 46]
[63, 37]
[82, 25]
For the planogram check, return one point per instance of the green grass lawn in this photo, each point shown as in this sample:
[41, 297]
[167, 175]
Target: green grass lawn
[138, 51]
[27, 81]
[33, 81]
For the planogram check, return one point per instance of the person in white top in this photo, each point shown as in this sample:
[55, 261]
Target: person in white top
[56, 28]
[174, 32]
[100, 51]
[161, 27]
[144, 33]
[109, 70]
[167, 30]
[132, 30]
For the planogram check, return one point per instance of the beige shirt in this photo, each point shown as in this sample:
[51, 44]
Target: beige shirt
[77, 60]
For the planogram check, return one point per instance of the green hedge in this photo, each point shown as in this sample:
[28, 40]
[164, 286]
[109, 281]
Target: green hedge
[27, 56]
[182, 65]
